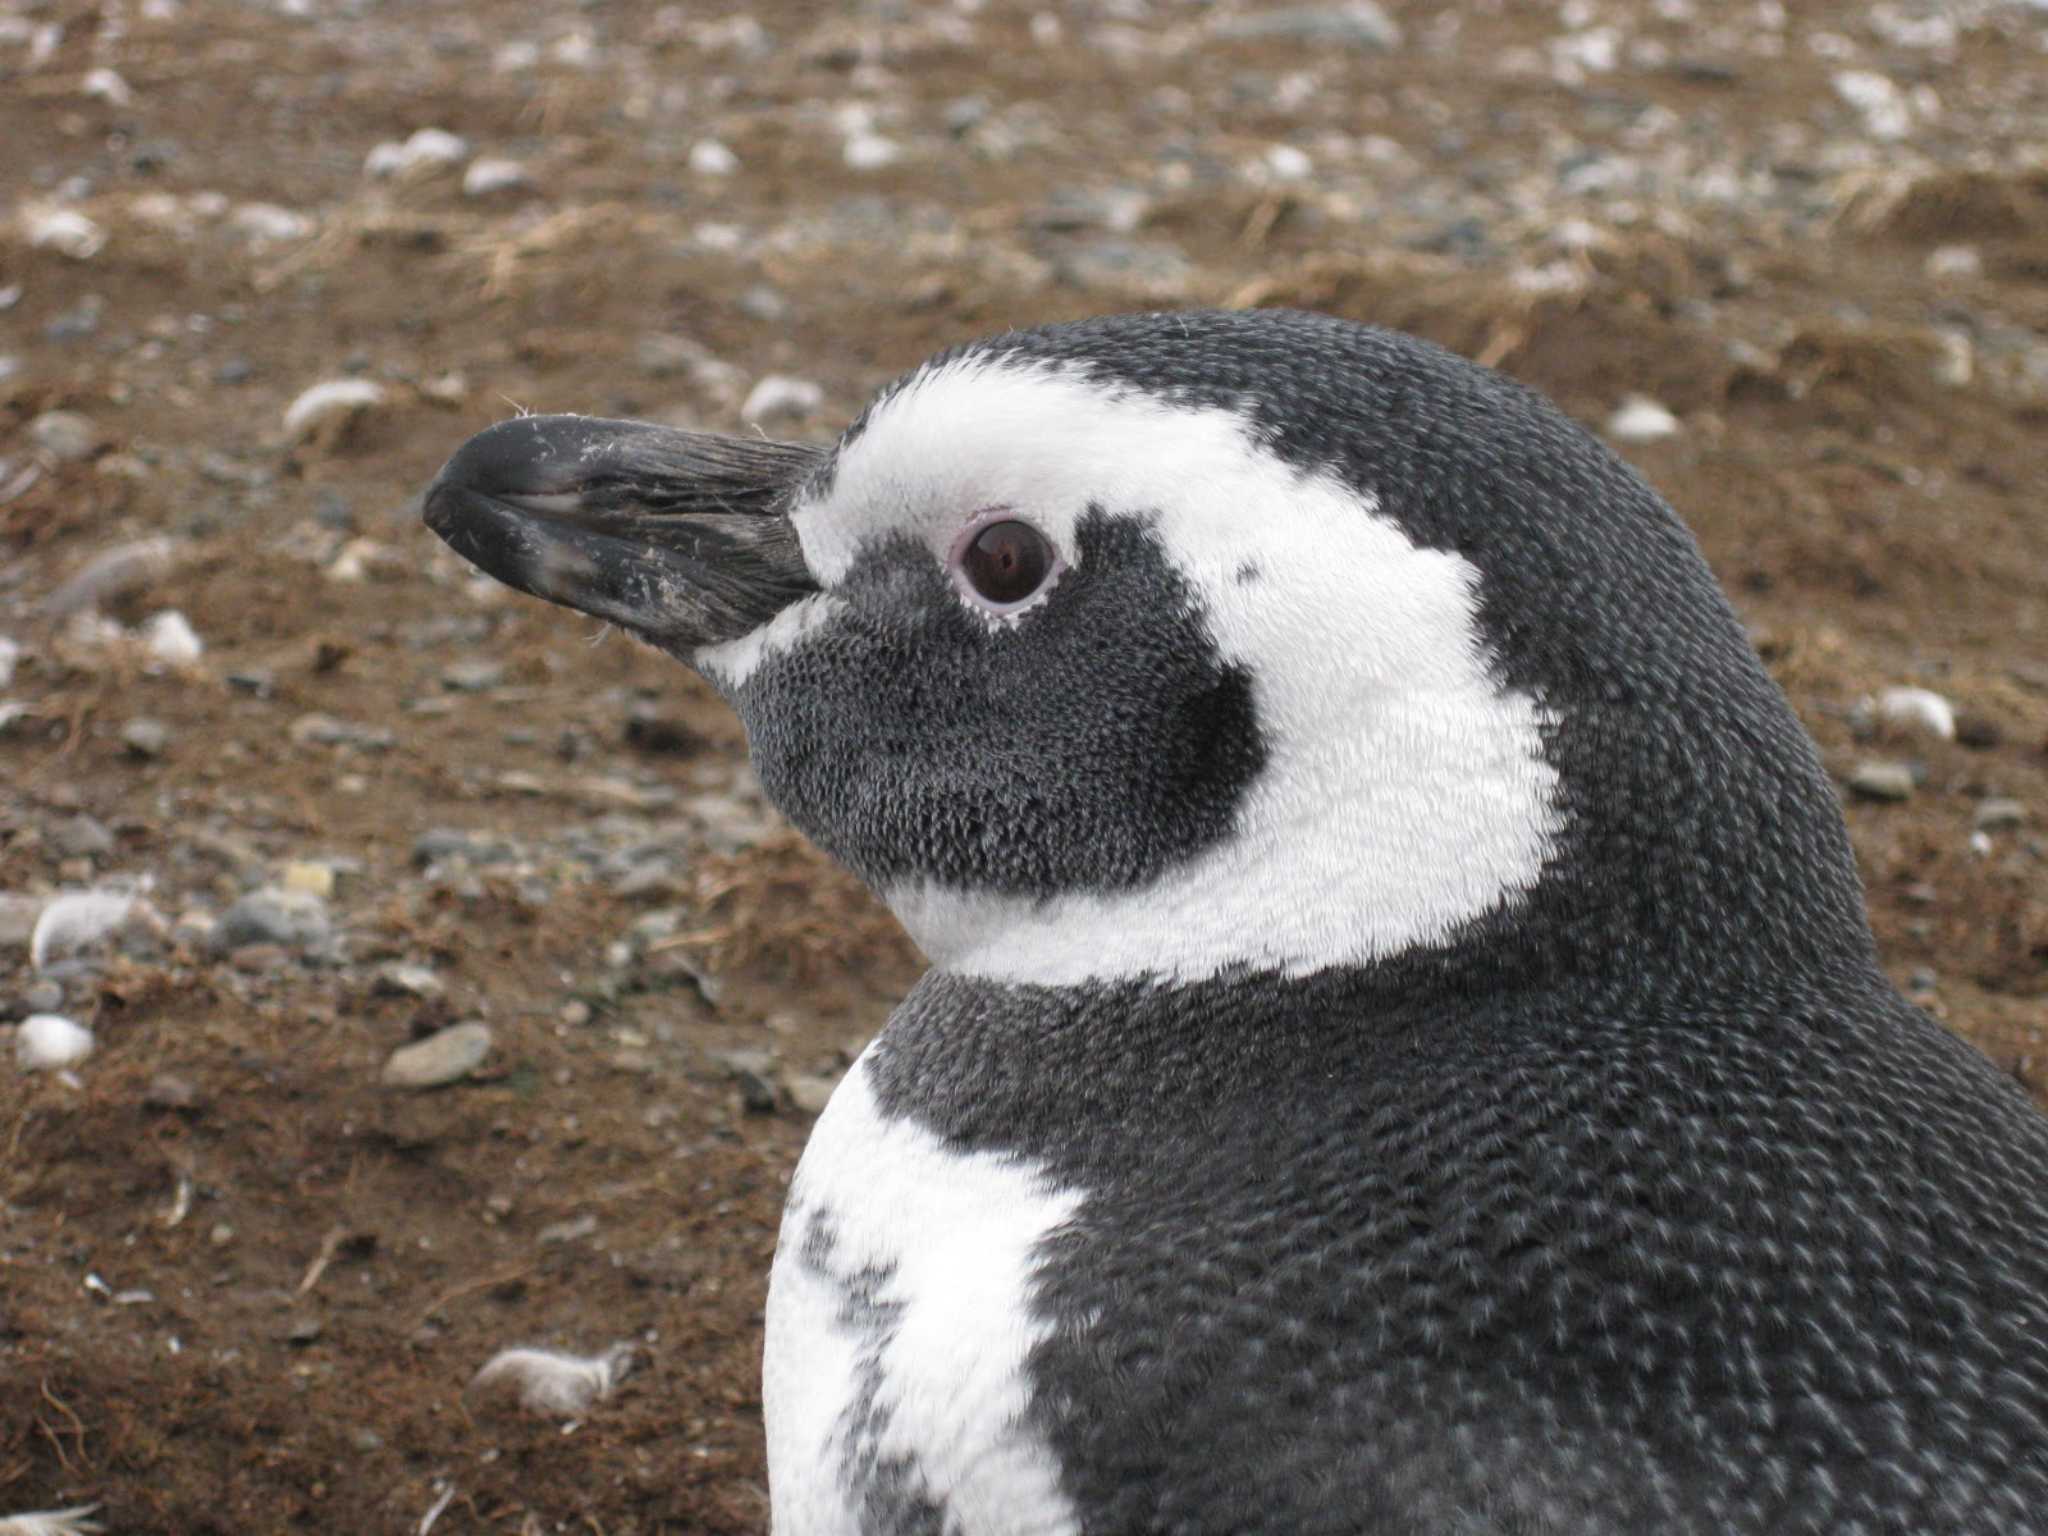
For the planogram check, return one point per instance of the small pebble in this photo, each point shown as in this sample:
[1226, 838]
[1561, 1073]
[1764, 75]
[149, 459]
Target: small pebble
[486, 176]
[170, 638]
[112, 575]
[65, 436]
[472, 676]
[1360, 24]
[425, 151]
[82, 837]
[1954, 261]
[778, 396]
[1999, 814]
[292, 919]
[270, 224]
[1876, 780]
[1641, 420]
[310, 876]
[63, 230]
[105, 85]
[145, 738]
[326, 731]
[444, 1057]
[1918, 709]
[18, 916]
[708, 157]
[870, 152]
[400, 980]
[49, 1042]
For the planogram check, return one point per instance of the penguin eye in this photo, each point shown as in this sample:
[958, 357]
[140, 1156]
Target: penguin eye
[1005, 563]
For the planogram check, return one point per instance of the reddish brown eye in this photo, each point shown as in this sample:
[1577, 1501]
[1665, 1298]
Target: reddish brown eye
[1006, 562]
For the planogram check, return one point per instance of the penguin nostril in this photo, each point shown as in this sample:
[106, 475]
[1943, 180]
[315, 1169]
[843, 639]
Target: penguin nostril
[1005, 563]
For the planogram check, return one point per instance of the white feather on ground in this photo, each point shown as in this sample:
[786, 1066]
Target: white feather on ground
[77, 920]
[563, 1386]
[76, 1521]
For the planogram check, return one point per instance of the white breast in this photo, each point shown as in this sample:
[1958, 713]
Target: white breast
[898, 1328]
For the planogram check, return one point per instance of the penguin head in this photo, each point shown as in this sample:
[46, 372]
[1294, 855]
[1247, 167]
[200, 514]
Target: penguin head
[1178, 645]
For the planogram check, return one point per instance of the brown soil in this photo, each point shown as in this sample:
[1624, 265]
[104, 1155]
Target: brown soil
[326, 1263]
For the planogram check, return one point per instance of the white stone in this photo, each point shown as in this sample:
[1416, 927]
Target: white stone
[1954, 261]
[63, 230]
[779, 395]
[443, 1057]
[171, 639]
[426, 150]
[270, 223]
[1288, 163]
[105, 85]
[1918, 709]
[486, 176]
[49, 1042]
[1641, 420]
[871, 151]
[1884, 108]
[708, 157]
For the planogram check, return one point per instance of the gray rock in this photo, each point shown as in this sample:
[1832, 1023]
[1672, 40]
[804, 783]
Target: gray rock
[444, 1057]
[1360, 24]
[65, 436]
[1154, 268]
[275, 915]
[1879, 780]
[1999, 814]
[145, 738]
[326, 731]
[472, 676]
[400, 980]
[118, 572]
[82, 837]
[440, 843]
[43, 995]
[651, 880]
[18, 916]
[169, 1091]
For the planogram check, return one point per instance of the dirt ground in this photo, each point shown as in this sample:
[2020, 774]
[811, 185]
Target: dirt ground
[243, 1283]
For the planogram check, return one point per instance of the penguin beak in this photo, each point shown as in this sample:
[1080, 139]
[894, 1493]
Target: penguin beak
[681, 537]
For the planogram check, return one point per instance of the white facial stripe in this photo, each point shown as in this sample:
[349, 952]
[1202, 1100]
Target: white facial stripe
[956, 1235]
[731, 663]
[1406, 792]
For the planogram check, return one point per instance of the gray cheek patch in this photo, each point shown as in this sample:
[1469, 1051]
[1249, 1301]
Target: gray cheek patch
[911, 739]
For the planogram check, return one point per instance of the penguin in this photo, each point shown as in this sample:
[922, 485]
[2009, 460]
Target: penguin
[1403, 1052]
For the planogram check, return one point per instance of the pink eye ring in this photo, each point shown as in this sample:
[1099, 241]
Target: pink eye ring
[1001, 563]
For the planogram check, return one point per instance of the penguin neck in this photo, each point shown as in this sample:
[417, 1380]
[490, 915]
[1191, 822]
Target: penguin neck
[1349, 849]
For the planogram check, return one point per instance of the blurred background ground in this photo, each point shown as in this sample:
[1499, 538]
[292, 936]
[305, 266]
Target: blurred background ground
[362, 797]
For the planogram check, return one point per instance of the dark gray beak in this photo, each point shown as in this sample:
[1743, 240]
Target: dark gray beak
[681, 537]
